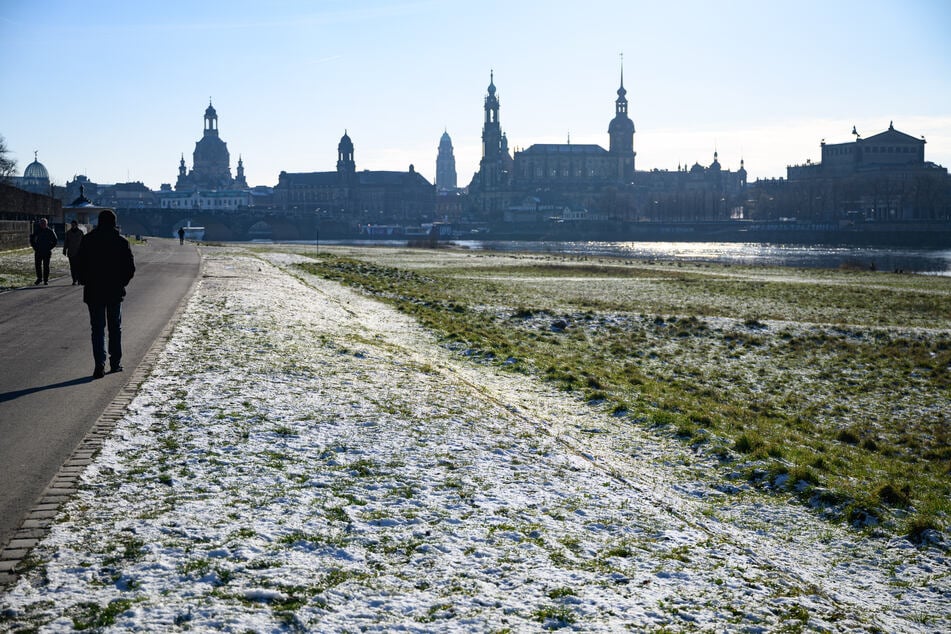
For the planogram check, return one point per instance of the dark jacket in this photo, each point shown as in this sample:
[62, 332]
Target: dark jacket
[105, 265]
[71, 241]
[43, 240]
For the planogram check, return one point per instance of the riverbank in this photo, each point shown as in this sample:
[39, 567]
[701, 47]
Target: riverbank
[306, 457]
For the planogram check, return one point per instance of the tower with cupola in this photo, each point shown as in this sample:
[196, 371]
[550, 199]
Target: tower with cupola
[211, 162]
[621, 136]
[492, 166]
[445, 165]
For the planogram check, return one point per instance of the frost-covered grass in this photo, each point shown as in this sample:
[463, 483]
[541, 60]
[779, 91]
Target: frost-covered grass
[833, 385]
[17, 267]
[305, 457]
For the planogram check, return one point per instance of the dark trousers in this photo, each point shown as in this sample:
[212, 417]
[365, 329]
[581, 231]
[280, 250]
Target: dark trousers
[42, 261]
[101, 316]
[74, 268]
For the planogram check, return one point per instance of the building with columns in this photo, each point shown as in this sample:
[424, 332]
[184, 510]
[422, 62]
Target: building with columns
[880, 178]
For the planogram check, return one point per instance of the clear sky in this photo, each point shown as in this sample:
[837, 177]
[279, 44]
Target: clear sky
[117, 90]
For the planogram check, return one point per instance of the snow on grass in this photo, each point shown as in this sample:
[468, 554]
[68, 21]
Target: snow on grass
[305, 458]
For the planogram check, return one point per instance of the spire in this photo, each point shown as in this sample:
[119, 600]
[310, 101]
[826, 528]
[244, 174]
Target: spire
[621, 131]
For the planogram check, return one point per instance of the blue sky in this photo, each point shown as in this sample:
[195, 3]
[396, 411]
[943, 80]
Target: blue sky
[117, 90]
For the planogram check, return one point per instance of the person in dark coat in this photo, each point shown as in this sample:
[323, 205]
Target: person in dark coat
[43, 240]
[105, 266]
[71, 249]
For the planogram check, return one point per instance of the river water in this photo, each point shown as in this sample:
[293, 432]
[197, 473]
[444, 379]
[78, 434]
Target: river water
[905, 260]
[925, 261]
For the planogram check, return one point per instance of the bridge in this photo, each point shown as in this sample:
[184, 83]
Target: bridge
[226, 226]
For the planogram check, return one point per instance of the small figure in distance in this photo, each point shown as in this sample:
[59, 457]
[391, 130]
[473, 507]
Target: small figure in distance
[181, 235]
[43, 240]
[71, 249]
[106, 266]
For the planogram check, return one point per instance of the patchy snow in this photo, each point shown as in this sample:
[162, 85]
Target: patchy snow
[306, 458]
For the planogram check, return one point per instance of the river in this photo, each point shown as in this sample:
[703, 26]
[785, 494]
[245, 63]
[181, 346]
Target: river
[906, 260]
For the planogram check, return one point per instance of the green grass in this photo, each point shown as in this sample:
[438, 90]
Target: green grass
[832, 385]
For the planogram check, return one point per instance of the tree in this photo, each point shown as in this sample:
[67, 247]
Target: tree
[8, 166]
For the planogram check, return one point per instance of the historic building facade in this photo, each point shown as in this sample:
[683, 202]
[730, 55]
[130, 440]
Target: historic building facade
[696, 194]
[348, 197]
[880, 178]
[572, 182]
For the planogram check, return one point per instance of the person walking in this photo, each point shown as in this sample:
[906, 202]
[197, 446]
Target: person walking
[181, 235]
[106, 266]
[71, 241]
[43, 240]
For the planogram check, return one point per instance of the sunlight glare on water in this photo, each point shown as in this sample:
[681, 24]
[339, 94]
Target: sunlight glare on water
[925, 261]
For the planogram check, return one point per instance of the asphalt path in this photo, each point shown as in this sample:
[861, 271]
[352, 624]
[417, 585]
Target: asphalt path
[48, 398]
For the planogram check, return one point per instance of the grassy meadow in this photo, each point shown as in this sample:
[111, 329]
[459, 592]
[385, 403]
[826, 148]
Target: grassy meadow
[831, 387]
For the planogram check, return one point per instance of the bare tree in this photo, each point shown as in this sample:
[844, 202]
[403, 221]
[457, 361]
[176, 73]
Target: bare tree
[8, 166]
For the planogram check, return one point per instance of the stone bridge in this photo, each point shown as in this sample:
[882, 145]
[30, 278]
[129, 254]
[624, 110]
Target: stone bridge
[222, 226]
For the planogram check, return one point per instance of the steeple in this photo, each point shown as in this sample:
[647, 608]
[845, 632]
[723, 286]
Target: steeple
[621, 133]
[491, 130]
[240, 180]
[493, 142]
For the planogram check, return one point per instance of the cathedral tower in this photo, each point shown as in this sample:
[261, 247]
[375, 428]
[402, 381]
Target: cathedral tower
[491, 165]
[621, 136]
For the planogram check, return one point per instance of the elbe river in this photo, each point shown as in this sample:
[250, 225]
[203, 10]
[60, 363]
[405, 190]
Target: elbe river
[905, 260]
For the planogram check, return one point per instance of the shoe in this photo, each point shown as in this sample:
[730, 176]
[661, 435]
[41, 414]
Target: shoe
[37, 282]
[115, 368]
[45, 283]
[99, 372]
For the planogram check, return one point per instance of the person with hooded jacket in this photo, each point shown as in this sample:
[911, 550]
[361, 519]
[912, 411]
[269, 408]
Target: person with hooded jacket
[105, 267]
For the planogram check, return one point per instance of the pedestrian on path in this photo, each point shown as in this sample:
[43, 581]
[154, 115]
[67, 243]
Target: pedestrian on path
[71, 249]
[181, 235]
[106, 266]
[43, 240]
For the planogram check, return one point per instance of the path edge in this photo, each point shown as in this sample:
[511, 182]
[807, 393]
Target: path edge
[37, 522]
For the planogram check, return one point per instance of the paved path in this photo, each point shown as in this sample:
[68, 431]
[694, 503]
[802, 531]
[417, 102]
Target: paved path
[48, 400]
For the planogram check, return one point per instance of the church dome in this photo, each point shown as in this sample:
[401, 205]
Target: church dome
[621, 124]
[36, 171]
[345, 143]
[210, 111]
